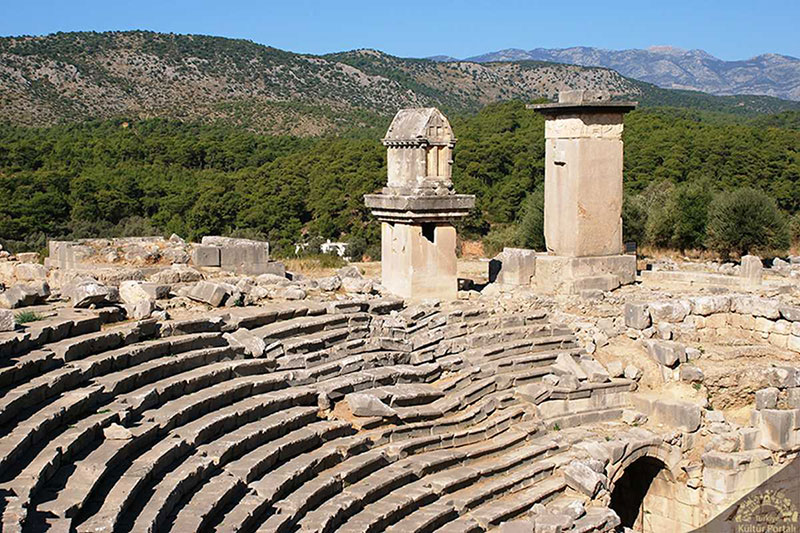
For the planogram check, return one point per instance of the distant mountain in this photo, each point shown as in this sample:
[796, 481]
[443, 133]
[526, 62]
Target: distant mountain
[70, 77]
[675, 68]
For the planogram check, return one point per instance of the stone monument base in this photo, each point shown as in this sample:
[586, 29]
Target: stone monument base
[571, 275]
[418, 261]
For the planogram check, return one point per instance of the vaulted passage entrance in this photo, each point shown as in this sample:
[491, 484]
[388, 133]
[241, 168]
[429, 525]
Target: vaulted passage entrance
[638, 495]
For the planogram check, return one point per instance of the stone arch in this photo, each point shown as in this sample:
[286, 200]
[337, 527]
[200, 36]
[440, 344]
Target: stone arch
[669, 455]
[643, 489]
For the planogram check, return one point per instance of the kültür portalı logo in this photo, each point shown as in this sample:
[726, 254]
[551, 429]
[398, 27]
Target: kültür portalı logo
[767, 511]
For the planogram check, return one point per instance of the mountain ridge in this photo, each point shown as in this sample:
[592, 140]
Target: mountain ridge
[69, 77]
[670, 67]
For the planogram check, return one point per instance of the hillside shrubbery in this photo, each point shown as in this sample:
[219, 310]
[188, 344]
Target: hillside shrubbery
[118, 178]
[746, 220]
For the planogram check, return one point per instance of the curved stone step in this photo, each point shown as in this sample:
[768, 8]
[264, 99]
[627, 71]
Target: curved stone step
[93, 469]
[378, 515]
[222, 486]
[47, 420]
[22, 368]
[118, 498]
[300, 326]
[493, 512]
[407, 466]
[355, 460]
[49, 384]
[287, 465]
[65, 324]
[172, 488]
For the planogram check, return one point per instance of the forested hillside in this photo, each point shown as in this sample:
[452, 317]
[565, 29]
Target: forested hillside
[71, 77]
[132, 177]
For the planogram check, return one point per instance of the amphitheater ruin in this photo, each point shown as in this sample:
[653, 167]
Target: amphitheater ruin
[151, 384]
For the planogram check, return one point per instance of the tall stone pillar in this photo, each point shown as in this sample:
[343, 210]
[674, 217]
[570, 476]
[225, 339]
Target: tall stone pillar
[418, 207]
[583, 194]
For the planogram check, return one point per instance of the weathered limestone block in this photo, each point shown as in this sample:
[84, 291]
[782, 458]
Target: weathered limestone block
[362, 404]
[670, 311]
[580, 477]
[552, 523]
[720, 320]
[566, 365]
[267, 280]
[782, 327]
[206, 256]
[633, 417]
[131, 292]
[561, 274]
[417, 266]
[767, 398]
[28, 257]
[23, 295]
[666, 353]
[664, 330]
[7, 321]
[290, 293]
[790, 313]
[691, 374]
[569, 382]
[238, 255]
[117, 432]
[517, 526]
[330, 283]
[594, 370]
[676, 413]
[140, 309]
[778, 429]
[752, 270]
[793, 397]
[252, 345]
[633, 373]
[349, 271]
[86, 292]
[210, 293]
[139, 298]
[783, 377]
[615, 369]
[764, 325]
[30, 272]
[357, 285]
[534, 393]
[574, 509]
[793, 343]
[637, 315]
[764, 307]
[709, 305]
[176, 274]
[516, 267]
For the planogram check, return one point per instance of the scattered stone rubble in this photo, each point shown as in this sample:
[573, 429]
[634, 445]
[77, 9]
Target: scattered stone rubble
[285, 403]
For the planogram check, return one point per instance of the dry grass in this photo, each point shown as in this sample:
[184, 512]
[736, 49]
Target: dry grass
[315, 266]
[678, 255]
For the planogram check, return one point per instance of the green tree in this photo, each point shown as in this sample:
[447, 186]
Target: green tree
[634, 219]
[530, 233]
[794, 229]
[690, 202]
[746, 220]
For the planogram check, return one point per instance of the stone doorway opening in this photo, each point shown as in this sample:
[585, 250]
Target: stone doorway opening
[638, 495]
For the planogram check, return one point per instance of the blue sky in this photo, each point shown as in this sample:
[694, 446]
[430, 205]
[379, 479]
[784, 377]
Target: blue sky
[731, 29]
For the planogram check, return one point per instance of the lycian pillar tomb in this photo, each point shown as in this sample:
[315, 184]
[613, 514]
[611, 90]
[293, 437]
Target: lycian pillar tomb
[418, 207]
[583, 194]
